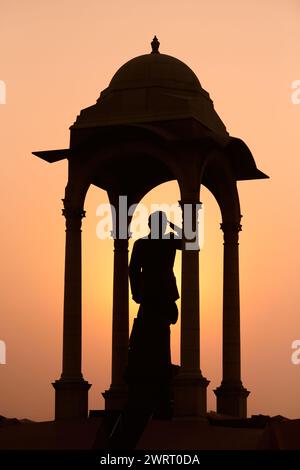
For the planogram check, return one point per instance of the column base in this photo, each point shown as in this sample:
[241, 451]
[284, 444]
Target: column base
[71, 399]
[190, 390]
[115, 397]
[232, 399]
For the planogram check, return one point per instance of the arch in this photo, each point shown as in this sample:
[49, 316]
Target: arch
[151, 197]
[213, 171]
[218, 178]
[99, 168]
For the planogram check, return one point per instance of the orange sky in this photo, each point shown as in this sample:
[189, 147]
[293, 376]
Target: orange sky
[56, 57]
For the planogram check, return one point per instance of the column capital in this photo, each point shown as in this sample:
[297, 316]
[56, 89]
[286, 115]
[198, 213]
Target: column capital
[73, 216]
[231, 229]
[231, 226]
[188, 200]
[190, 206]
[121, 244]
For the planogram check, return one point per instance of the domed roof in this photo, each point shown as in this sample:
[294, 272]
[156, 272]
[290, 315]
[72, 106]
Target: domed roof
[161, 95]
[151, 88]
[155, 69]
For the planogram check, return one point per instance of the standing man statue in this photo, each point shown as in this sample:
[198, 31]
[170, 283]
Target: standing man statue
[153, 285]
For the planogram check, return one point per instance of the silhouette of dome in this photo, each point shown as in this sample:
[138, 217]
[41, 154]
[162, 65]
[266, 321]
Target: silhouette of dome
[152, 87]
[155, 70]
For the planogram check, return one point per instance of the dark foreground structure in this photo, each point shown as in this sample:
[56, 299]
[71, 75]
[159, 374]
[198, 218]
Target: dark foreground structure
[159, 435]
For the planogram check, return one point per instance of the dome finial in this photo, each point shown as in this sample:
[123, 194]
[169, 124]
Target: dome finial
[155, 45]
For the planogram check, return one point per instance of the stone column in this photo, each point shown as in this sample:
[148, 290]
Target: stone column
[71, 390]
[116, 396]
[231, 395]
[190, 385]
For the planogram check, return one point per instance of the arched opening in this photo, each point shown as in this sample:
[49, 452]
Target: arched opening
[163, 197]
[98, 272]
[211, 290]
[219, 179]
[97, 283]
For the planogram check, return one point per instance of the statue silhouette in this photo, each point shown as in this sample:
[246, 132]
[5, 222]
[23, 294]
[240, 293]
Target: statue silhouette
[153, 285]
[149, 370]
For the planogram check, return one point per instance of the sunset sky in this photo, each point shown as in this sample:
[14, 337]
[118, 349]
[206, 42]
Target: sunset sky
[56, 57]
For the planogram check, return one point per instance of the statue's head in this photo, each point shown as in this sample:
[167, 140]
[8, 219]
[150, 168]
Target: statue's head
[158, 224]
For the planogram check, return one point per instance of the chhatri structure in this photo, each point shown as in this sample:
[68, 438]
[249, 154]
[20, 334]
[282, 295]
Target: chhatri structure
[154, 123]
